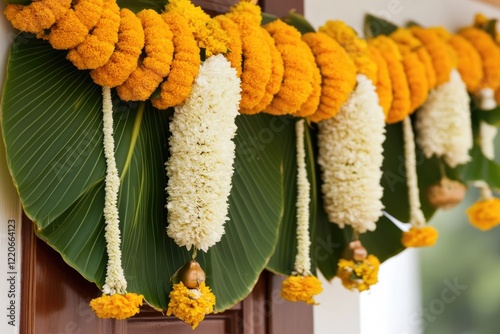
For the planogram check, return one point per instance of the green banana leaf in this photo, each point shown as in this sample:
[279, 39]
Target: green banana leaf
[51, 128]
[374, 26]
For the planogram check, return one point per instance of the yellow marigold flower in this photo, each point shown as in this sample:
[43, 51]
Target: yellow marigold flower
[124, 59]
[72, 28]
[489, 53]
[301, 289]
[426, 60]
[338, 74]
[297, 78]
[445, 36]
[417, 80]
[384, 84]
[249, 9]
[274, 84]
[401, 102]
[480, 20]
[311, 105]
[405, 40]
[356, 47]
[438, 50]
[420, 237]
[155, 65]
[485, 214]
[358, 275]
[37, 16]
[116, 306]
[185, 64]
[235, 52]
[191, 305]
[99, 45]
[207, 31]
[469, 62]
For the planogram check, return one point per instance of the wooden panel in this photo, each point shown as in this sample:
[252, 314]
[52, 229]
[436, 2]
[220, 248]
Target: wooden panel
[281, 8]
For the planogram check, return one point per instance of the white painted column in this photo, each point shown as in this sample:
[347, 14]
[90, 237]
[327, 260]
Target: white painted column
[10, 218]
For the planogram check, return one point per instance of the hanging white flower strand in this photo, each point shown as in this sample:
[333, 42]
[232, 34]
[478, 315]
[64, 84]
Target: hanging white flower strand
[487, 132]
[443, 122]
[200, 166]
[302, 285]
[350, 157]
[116, 302]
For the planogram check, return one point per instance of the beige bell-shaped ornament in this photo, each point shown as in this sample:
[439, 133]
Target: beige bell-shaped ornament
[190, 274]
[355, 251]
[446, 193]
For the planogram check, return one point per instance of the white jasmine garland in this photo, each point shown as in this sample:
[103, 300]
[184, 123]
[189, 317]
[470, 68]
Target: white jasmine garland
[487, 132]
[443, 122]
[350, 157]
[417, 217]
[115, 278]
[200, 166]
[302, 259]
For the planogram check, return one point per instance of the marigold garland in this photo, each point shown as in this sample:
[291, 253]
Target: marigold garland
[298, 75]
[490, 55]
[338, 77]
[117, 306]
[37, 16]
[310, 106]
[301, 288]
[123, 61]
[401, 102]
[420, 237]
[235, 52]
[156, 65]
[469, 62]
[72, 28]
[356, 47]
[426, 60]
[185, 64]
[384, 84]
[359, 275]
[438, 50]
[191, 305]
[99, 45]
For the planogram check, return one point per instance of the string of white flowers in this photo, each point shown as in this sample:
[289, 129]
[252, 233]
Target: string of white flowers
[350, 157]
[302, 259]
[443, 122]
[487, 132]
[115, 278]
[417, 217]
[200, 166]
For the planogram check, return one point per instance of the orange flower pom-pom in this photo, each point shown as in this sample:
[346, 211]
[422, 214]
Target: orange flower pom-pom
[485, 214]
[117, 306]
[301, 288]
[420, 237]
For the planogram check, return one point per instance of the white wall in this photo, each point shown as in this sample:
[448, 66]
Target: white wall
[10, 216]
[393, 305]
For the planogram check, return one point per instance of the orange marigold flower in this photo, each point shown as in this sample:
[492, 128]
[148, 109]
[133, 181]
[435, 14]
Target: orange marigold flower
[185, 63]
[155, 65]
[469, 62]
[489, 53]
[426, 60]
[417, 80]
[116, 306]
[338, 74]
[99, 45]
[384, 84]
[72, 28]
[252, 11]
[37, 16]
[358, 274]
[301, 289]
[274, 84]
[438, 50]
[401, 103]
[356, 47]
[420, 237]
[124, 59]
[485, 214]
[235, 52]
[311, 105]
[191, 305]
[297, 78]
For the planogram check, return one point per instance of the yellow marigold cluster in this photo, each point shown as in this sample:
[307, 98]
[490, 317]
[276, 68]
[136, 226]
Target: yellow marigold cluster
[191, 305]
[359, 275]
[384, 84]
[155, 65]
[117, 306]
[98, 46]
[301, 288]
[485, 214]
[310, 106]
[420, 237]
[438, 50]
[401, 103]
[338, 74]
[37, 16]
[356, 47]
[426, 60]
[123, 61]
[235, 48]
[297, 81]
[207, 31]
[469, 61]
[489, 53]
